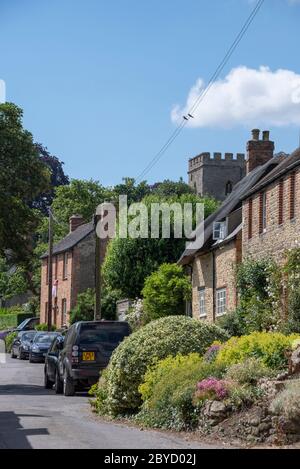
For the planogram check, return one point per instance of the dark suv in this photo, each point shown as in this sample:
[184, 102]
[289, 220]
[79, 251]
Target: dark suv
[87, 349]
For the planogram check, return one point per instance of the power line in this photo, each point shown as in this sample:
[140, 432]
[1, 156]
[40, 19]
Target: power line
[214, 77]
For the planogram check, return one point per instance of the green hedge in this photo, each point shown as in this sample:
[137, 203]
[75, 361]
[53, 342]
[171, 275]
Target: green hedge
[7, 321]
[22, 316]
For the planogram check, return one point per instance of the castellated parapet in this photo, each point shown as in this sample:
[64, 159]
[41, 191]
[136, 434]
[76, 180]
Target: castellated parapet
[216, 174]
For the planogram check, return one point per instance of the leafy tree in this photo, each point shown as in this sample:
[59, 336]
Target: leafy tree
[169, 188]
[129, 261]
[135, 192]
[84, 310]
[12, 280]
[166, 291]
[57, 175]
[23, 176]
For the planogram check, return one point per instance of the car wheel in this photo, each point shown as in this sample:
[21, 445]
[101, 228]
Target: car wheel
[68, 385]
[47, 383]
[58, 385]
[21, 355]
[12, 354]
[30, 359]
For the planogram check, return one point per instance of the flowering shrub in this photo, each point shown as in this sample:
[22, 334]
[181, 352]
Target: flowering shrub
[155, 341]
[212, 388]
[135, 314]
[268, 347]
[287, 402]
[212, 352]
[248, 372]
[168, 389]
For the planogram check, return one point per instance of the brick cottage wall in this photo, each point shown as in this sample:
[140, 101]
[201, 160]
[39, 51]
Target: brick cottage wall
[81, 276]
[226, 258]
[282, 222]
[64, 287]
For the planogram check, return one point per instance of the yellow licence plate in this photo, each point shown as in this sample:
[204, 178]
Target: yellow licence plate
[88, 356]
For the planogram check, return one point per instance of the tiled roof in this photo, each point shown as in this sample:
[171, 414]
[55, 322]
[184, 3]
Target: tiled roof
[232, 202]
[72, 239]
[287, 164]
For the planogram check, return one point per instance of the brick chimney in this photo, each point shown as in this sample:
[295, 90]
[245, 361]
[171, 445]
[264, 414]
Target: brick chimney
[75, 221]
[259, 151]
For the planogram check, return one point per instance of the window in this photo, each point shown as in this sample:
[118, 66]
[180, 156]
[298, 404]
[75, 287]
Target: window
[201, 298]
[280, 202]
[250, 218]
[292, 195]
[262, 212]
[64, 312]
[228, 188]
[221, 301]
[220, 229]
[56, 267]
[65, 269]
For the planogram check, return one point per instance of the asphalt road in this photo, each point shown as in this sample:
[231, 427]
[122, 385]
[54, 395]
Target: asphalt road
[32, 417]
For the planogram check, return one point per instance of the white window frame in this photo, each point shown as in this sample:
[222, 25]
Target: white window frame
[221, 301]
[219, 230]
[201, 302]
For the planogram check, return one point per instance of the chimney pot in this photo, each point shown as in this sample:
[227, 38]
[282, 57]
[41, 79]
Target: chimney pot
[255, 134]
[75, 221]
[259, 151]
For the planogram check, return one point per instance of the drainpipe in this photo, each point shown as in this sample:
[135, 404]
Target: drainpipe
[189, 311]
[214, 284]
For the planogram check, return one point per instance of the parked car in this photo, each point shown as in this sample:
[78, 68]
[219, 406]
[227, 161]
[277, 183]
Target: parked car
[51, 362]
[22, 344]
[26, 325]
[87, 349]
[40, 345]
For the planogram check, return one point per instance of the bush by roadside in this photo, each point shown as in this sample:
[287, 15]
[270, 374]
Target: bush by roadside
[9, 341]
[269, 347]
[118, 392]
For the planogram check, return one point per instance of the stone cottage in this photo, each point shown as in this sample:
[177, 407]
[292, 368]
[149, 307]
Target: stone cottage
[212, 263]
[73, 270]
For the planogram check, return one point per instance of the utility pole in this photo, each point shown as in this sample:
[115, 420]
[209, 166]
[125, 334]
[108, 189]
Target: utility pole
[98, 275]
[50, 273]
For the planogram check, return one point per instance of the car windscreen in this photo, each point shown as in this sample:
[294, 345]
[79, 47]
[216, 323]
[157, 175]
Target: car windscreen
[27, 336]
[105, 335]
[44, 339]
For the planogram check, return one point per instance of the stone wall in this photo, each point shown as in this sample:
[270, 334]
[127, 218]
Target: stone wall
[209, 174]
[226, 259]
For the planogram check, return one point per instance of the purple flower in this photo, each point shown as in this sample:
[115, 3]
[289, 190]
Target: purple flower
[212, 387]
[212, 352]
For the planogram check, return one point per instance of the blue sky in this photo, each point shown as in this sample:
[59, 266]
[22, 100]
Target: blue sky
[102, 83]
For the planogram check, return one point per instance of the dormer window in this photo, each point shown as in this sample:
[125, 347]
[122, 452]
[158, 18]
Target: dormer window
[219, 230]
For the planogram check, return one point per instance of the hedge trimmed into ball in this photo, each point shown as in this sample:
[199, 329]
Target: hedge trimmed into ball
[118, 389]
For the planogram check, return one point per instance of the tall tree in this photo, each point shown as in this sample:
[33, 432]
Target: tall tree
[23, 176]
[57, 178]
[130, 260]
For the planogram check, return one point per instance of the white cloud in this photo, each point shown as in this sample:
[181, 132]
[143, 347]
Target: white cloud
[2, 91]
[245, 97]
